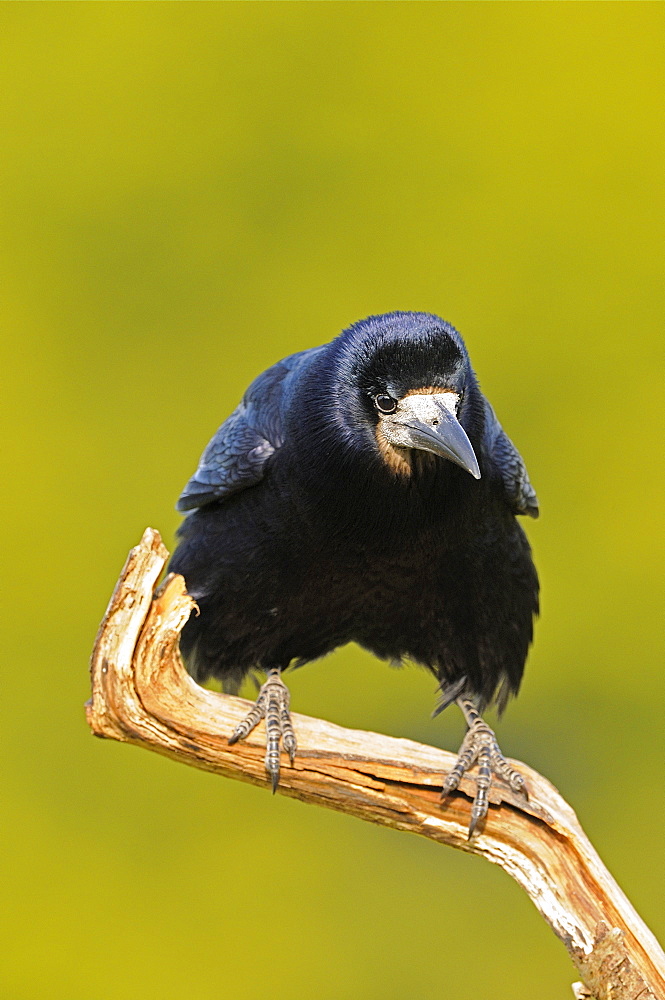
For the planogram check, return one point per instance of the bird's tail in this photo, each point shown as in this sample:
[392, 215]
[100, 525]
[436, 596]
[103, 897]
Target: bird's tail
[448, 693]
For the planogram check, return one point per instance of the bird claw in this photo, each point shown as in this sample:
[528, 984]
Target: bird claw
[272, 704]
[480, 745]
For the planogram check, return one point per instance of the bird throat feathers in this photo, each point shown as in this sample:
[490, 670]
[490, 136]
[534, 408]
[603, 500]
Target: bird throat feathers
[398, 460]
[403, 462]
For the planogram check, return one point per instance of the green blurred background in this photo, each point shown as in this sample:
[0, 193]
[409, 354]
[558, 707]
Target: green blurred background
[190, 192]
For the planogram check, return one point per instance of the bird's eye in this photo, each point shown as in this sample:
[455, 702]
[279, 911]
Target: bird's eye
[385, 403]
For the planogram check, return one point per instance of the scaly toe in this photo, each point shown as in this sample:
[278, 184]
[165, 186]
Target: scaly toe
[480, 745]
[251, 720]
[290, 745]
[272, 705]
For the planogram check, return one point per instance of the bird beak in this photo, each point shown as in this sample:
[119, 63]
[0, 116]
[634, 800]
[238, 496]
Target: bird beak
[428, 421]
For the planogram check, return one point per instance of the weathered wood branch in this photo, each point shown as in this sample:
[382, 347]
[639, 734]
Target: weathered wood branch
[142, 694]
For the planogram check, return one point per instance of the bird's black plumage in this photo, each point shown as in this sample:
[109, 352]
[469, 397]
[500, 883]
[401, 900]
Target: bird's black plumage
[314, 520]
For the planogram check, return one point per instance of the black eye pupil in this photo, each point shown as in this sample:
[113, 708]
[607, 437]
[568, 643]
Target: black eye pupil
[385, 403]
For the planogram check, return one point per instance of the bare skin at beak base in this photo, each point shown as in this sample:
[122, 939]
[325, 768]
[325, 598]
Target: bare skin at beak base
[428, 422]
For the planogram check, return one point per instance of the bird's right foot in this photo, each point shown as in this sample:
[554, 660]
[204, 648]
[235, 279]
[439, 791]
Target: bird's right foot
[480, 745]
[272, 705]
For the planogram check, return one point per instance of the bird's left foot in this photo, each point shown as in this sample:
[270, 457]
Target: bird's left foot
[480, 744]
[272, 705]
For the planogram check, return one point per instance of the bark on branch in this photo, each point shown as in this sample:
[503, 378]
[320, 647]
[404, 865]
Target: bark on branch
[142, 694]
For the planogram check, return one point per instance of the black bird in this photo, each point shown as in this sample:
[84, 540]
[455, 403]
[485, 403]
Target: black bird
[364, 491]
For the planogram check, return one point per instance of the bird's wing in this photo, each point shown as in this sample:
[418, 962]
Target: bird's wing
[518, 491]
[236, 456]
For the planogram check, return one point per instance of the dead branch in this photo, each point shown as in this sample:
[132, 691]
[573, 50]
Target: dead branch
[142, 694]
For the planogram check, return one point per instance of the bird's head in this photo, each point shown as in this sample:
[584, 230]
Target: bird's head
[404, 383]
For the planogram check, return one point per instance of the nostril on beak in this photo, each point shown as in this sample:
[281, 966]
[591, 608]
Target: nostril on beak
[435, 422]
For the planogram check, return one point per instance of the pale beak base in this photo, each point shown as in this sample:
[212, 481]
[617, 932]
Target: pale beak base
[428, 422]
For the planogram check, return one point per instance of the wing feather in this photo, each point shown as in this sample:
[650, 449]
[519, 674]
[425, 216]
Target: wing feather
[519, 493]
[236, 457]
